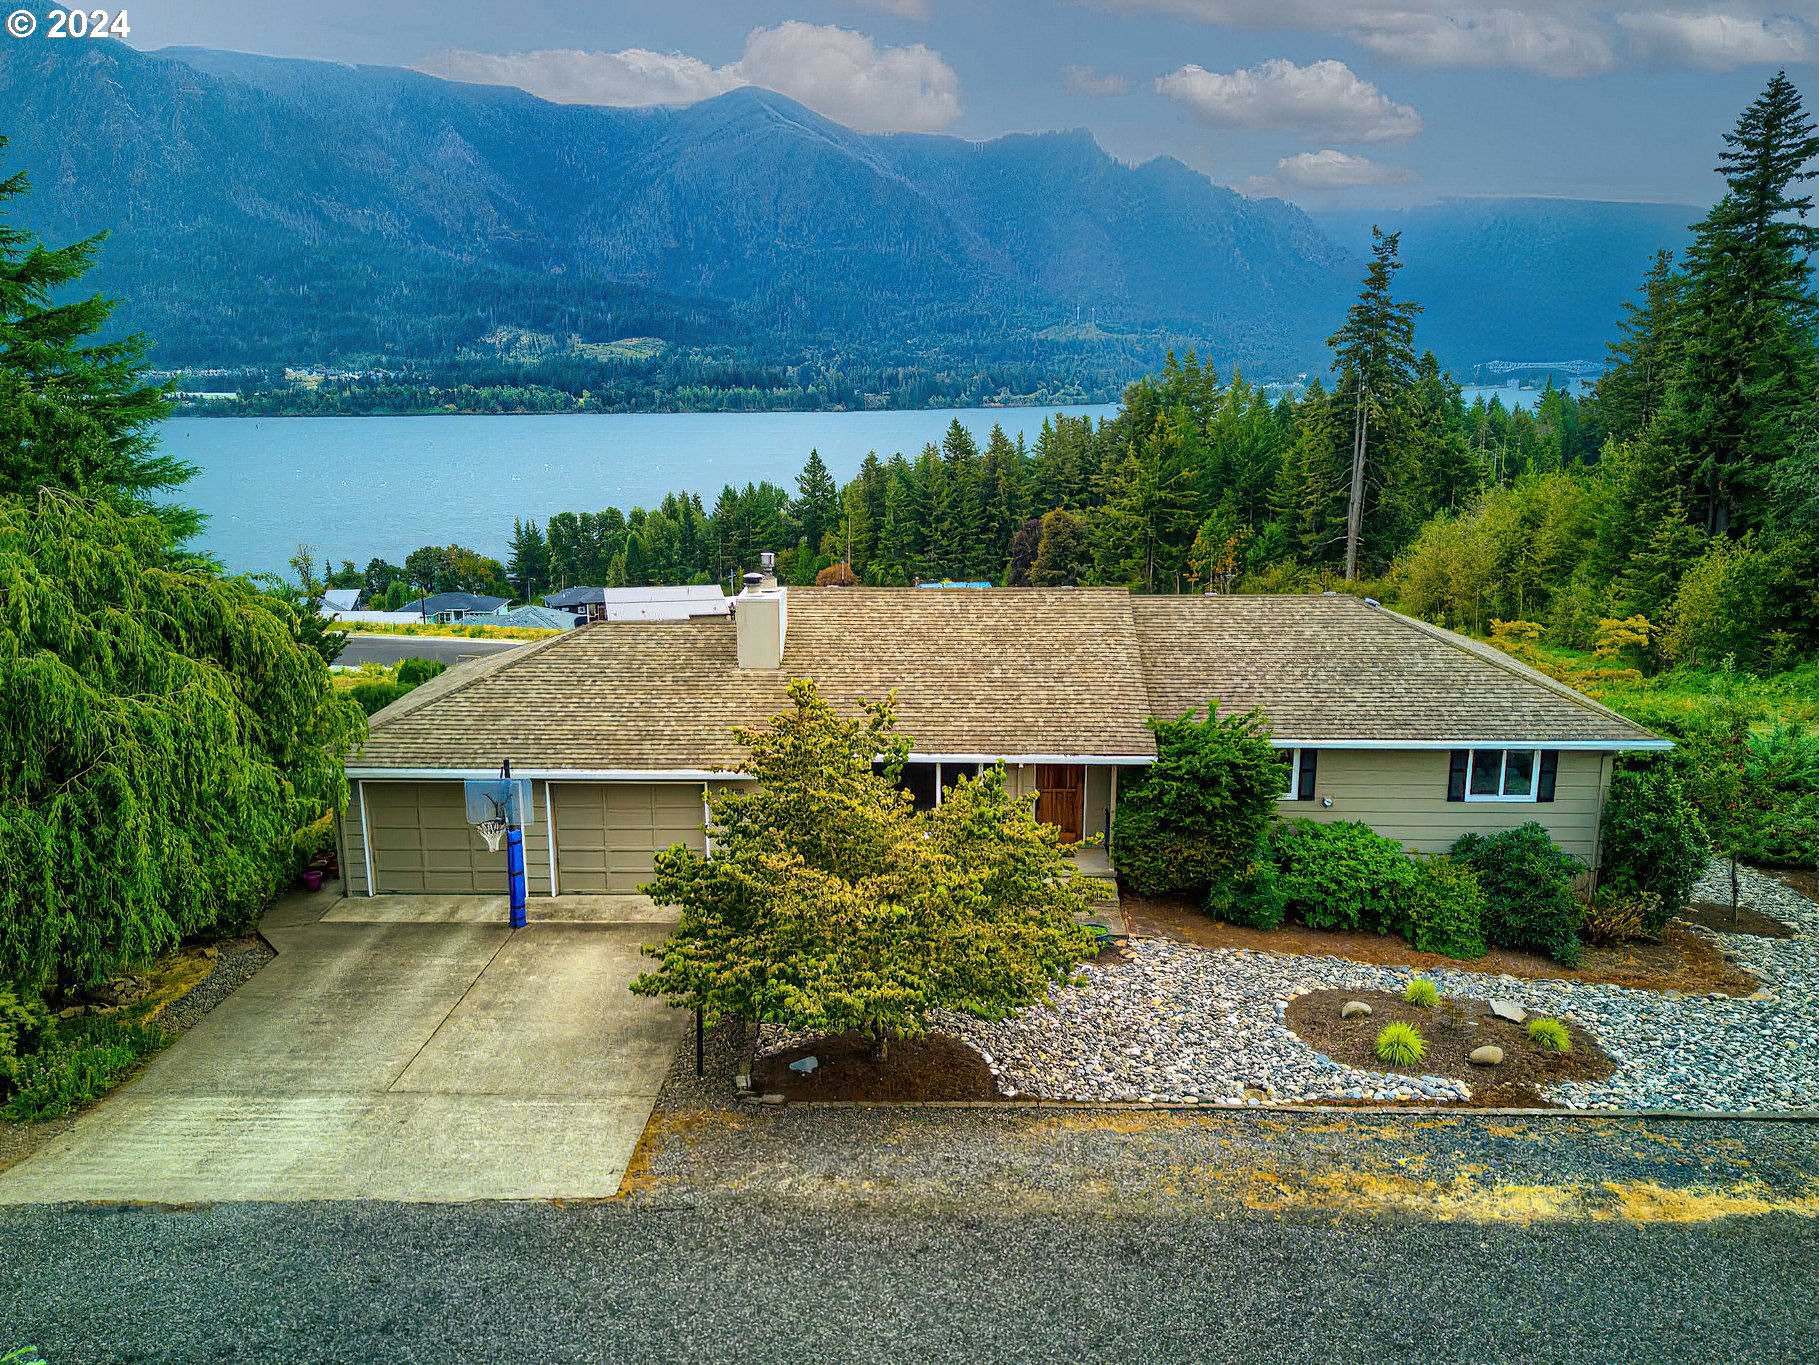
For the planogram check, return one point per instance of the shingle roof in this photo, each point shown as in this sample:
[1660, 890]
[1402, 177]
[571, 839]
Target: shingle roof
[455, 601]
[1335, 668]
[1035, 671]
[1067, 671]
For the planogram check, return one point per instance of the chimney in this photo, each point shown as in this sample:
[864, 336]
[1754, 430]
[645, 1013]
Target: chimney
[758, 623]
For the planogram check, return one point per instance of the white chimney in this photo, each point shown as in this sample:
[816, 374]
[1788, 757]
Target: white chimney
[759, 619]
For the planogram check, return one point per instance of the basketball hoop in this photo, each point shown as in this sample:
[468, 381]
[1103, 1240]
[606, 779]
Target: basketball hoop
[492, 831]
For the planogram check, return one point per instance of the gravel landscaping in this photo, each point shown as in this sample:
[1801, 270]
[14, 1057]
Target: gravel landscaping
[1174, 1023]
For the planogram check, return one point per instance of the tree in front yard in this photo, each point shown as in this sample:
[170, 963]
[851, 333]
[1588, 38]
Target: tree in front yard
[829, 903]
[164, 740]
[1195, 819]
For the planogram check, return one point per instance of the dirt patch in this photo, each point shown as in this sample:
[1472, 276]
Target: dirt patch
[928, 1068]
[1805, 881]
[1683, 961]
[1451, 1030]
[1713, 915]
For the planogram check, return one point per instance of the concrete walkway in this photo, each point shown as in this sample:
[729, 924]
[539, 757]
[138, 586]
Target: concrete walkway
[389, 1054]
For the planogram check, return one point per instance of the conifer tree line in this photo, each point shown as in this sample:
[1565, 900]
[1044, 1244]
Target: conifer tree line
[1681, 490]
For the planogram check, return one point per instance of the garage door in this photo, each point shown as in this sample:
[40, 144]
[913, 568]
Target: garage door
[606, 832]
[423, 844]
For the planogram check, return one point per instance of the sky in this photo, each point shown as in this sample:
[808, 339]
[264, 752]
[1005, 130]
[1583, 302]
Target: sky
[1330, 103]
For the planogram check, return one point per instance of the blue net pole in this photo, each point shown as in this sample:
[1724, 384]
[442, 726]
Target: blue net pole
[515, 874]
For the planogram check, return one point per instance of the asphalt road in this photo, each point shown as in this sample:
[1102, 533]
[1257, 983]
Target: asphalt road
[629, 1282]
[389, 649]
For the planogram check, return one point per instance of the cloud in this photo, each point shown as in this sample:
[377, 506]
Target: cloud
[1084, 80]
[1323, 97]
[903, 9]
[1331, 170]
[1716, 41]
[1549, 37]
[835, 71]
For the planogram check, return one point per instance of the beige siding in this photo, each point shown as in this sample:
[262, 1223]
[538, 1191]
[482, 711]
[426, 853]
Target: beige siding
[1403, 794]
[607, 832]
[352, 835]
[1096, 802]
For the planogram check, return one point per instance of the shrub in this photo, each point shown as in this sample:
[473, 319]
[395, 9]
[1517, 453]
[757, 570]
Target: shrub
[1529, 890]
[1193, 821]
[1615, 918]
[374, 696]
[79, 1064]
[1400, 1045]
[1550, 1035]
[1340, 876]
[1421, 993]
[1441, 908]
[23, 1020]
[1254, 900]
[416, 672]
[1653, 845]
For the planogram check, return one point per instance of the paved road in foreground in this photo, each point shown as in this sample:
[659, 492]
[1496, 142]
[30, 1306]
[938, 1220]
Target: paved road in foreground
[389, 649]
[634, 1282]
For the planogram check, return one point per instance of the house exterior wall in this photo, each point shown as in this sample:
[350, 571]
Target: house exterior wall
[1402, 794]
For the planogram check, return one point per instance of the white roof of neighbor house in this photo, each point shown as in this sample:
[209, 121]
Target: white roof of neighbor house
[340, 599]
[582, 595]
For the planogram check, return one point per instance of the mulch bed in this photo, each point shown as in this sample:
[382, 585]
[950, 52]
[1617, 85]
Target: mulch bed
[927, 1068]
[1683, 961]
[1719, 917]
[1451, 1030]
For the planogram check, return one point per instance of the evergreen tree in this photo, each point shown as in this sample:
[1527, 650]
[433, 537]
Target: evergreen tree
[75, 413]
[1374, 354]
[528, 567]
[817, 505]
[1064, 555]
[1630, 392]
[1147, 518]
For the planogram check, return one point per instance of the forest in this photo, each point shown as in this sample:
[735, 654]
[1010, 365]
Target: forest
[1664, 517]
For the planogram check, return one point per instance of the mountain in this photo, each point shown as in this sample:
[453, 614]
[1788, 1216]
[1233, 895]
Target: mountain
[1520, 279]
[744, 250]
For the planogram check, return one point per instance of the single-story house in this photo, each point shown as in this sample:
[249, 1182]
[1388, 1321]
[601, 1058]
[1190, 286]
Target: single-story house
[667, 602]
[536, 618]
[446, 607]
[622, 727]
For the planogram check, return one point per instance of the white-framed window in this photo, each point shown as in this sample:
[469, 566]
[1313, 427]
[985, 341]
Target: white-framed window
[1291, 759]
[1503, 774]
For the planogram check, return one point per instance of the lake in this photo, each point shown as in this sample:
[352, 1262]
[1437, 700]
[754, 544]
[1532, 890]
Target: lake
[356, 487]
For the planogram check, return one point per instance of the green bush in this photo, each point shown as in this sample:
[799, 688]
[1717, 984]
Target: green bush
[1193, 820]
[376, 695]
[23, 1020]
[1652, 843]
[1421, 993]
[1340, 876]
[1255, 900]
[1441, 908]
[416, 672]
[81, 1062]
[1400, 1045]
[1615, 918]
[1529, 890]
[1550, 1035]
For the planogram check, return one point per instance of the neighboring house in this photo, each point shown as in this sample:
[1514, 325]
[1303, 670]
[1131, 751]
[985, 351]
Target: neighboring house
[538, 618]
[447, 607]
[337, 600]
[676, 602]
[622, 727]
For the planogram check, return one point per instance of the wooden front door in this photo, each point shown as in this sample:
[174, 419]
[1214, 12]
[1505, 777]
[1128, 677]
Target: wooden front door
[1060, 788]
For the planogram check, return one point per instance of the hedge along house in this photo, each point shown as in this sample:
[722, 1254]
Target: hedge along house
[624, 726]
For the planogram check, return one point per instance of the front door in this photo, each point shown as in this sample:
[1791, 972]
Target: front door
[1060, 788]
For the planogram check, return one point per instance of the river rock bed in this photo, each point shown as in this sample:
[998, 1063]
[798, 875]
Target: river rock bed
[1175, 1023]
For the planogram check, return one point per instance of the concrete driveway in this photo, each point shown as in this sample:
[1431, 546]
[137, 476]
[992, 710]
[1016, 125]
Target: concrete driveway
[384, 1055]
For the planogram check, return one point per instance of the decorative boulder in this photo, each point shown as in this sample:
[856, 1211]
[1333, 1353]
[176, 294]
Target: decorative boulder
[1509, 1009]
[802, 1066]
[1486, 1056]
[1354, 1009]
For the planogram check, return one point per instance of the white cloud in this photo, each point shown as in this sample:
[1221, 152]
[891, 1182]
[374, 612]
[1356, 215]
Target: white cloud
[1084, 80]
[1716, 41]
[903, 9]
[1331, 170]
[1553, 37]
[1323, 97]
[835, 71]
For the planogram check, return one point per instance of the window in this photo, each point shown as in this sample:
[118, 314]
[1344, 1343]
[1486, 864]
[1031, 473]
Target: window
[1295, 774]
[1502, 774]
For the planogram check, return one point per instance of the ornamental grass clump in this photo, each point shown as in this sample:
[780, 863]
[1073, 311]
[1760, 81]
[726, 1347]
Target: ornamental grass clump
[1550, 1035]
[1421, 993]
[1400, 1045]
